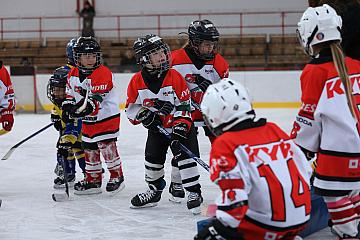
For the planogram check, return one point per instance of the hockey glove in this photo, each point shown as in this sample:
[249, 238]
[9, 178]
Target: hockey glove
[89, 109]
[67, 107]
[215, 230]
[202, 82]
[149, 119]
[164, 107]
[179, 133]
[57, 121]
[7, 119]
[65, 143]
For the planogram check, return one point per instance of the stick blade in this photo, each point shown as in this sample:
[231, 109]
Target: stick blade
[60, 197]
[8, 154]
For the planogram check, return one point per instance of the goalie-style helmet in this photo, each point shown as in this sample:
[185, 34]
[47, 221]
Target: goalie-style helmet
[69, 51]
[225, 104]
[56, 86]
[203, 30]
[318, 25]
[150, 47]
[87, 45]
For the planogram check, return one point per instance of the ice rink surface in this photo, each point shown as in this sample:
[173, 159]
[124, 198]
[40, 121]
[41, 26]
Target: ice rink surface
[26, 186]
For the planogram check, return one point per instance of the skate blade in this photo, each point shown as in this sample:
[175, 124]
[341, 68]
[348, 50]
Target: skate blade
[175, 199]
[121, 187]
[60, 197]
[145, 206]
[62, 186]
[196, 210]
[88, 192]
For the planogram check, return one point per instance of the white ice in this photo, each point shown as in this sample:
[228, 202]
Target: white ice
[26, 186]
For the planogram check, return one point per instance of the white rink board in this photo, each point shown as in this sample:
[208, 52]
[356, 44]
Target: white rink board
[264, 86]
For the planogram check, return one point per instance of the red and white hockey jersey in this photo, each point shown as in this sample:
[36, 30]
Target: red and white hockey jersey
[262, 167]
[7, 98]
[104, 122]
[325, 125]
[213, 70]
[172, 90]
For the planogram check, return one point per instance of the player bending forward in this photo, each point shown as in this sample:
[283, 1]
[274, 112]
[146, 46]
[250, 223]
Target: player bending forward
[93, 84]
[262, 174]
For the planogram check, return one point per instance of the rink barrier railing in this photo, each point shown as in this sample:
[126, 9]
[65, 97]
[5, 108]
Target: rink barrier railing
[163, 24]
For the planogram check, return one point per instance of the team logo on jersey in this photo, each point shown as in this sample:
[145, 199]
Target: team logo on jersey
[148, 102]
[353, 163]
[320, 36]
[208, 71]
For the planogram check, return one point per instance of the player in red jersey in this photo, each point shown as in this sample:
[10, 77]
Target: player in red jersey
[90, 95]
[263, 175]
[7, 101]
[201, 65]
[158, 96]
[328, 122]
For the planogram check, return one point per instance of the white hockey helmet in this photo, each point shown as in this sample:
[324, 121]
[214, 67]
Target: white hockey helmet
[318, 25]
[225, 104]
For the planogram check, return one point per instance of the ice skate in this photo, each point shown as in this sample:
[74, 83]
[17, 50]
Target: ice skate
[150, 198]
[87, 188]
[115, 185]
[177, 192]
[59, 182]
[194, 202]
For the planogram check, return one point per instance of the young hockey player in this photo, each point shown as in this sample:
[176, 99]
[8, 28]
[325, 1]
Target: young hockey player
[328, 121]
[262, 173]
[158, 96]
[200, 64]
[91, 95]
[69, 142]
[7, 101]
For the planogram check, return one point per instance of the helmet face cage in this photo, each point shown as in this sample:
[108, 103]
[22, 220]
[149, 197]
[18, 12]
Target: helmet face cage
[85, 46]
[56, 90]
[152, 53]
[69, 51]
[200, 31]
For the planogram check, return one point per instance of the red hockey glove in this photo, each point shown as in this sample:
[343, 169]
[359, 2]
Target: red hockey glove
[7, 119]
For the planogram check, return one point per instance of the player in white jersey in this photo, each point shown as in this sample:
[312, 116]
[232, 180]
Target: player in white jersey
[91, 95]
[328, 122]
[158, 96]
[7, 101]
[263, 175]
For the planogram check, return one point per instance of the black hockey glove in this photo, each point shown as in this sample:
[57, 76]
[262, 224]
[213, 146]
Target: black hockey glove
[215, 230]
[202, 82]
[164, 107]
[89, 108]
[149, 119]
[67, 107]
[57, 121]
[179, 133]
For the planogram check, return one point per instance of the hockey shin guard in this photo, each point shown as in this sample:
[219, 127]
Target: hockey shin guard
[343, 215]
[93, 166]
[112, 159]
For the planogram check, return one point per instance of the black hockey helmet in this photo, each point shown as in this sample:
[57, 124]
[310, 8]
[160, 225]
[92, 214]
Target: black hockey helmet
[149, 45]
[203, 30]
[69, 51]
[56, 86]
[87, 45]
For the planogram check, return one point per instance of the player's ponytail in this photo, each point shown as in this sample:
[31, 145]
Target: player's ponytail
[339, 62]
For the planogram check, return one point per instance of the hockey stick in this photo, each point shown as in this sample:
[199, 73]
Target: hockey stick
[185, 149]
[13, 148]
[61, 197]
